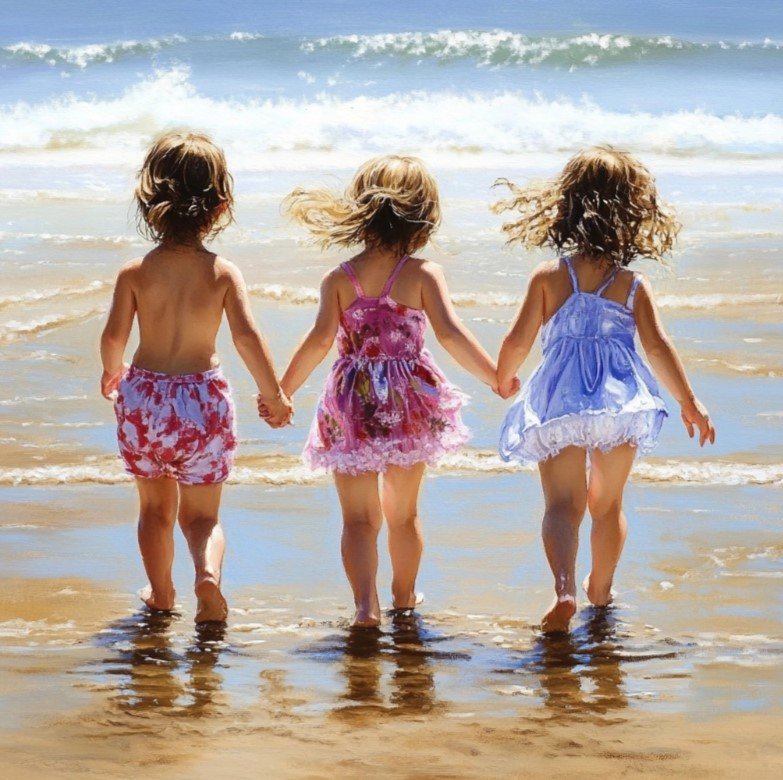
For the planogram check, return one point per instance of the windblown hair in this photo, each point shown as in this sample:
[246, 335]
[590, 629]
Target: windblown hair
[603, 205]
[392, 203]
[184, 191]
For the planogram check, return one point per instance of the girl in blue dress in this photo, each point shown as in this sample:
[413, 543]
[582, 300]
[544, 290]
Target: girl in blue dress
[592, 401]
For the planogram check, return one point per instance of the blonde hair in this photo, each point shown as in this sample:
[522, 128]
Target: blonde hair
[392, 202]
[603, 205]
[184, 191]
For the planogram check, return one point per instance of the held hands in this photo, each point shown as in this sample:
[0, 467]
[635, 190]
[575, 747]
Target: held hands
[507, 389]
[695, 415]
[110, 381]
[276, 412]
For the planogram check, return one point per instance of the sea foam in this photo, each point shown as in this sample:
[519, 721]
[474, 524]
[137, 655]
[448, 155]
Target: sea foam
[466, 123]
[281, 470]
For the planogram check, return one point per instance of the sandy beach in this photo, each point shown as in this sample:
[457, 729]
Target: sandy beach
[683, 677]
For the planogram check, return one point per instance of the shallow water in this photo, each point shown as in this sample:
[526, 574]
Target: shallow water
[682, 675]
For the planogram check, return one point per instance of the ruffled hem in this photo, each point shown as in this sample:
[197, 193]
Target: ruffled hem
[378, 456]
[597, 430]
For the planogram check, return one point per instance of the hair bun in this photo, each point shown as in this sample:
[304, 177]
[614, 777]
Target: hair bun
[184, 189]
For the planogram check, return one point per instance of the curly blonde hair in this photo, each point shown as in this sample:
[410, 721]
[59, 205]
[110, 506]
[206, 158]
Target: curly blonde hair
[603, 205]
[392, 202]
[184, 191]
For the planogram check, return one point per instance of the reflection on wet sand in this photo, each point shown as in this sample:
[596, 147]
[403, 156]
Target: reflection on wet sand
[152, 675]
[581, 673]
[365, 654]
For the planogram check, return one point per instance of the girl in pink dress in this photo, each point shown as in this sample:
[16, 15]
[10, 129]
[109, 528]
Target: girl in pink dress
[386, 407]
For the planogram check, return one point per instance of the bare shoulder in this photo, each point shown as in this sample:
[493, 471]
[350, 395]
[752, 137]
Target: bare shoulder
[428, 271]
[227, 274]
[132, 266]
[336, 279]
[548, 269]
[642, 281]
[224, 267]
[548, 274]
[129, 271]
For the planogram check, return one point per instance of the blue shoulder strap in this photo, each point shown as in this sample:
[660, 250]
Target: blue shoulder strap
[602, 289]
[571, 273]
[632, 292]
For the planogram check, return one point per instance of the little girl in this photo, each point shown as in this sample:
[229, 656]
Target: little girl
[386, 407]
[175, 415]
[592, 398]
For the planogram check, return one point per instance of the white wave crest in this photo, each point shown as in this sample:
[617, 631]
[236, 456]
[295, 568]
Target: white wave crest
[493, 299]
[284, 293]
[502, 47]
[61, 293]
[462, 123]
[15, 330]
[69, 240]
[281, 470]
[90, 54]
[709, 473]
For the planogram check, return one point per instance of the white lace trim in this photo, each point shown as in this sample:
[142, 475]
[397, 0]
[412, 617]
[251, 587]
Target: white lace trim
[378, 455]
[592, 430]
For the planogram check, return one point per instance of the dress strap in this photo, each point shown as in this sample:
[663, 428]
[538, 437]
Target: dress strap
[349, 272]
[571, 273]
[602, 289]
[632, 292]
[393, 276]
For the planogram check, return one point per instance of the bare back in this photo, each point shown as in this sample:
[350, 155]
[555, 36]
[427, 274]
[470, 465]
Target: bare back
[179, 297]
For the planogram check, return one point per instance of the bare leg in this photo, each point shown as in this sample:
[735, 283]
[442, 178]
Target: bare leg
[361, 523]
[198, 518]
[608, 474]
[157, 510]
[564, 481]
[401, 489]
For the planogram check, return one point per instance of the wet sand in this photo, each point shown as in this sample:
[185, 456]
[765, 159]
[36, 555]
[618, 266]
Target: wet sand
[682, 677]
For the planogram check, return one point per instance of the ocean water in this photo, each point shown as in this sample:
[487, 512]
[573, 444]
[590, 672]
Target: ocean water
[304, 93]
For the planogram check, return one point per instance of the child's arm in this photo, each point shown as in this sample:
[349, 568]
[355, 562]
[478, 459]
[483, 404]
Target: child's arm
[319, 339]
[455, 338]
[667, 364]
[253, 350]
[115, 334]
[521, 336]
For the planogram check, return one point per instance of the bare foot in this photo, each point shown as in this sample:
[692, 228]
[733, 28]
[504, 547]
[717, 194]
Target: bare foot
[559, 616]
[212, 607]
[365, 620]
[367, 616]
[602, 598]
[412, 602]
[155, 601]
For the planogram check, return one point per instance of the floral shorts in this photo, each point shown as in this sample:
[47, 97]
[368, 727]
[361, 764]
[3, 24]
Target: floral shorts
[178, 426]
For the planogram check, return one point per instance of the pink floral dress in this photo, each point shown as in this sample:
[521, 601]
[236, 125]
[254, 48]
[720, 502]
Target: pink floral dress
[385, 402]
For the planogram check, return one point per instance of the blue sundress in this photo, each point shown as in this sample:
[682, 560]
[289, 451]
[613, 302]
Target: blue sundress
[592, 389]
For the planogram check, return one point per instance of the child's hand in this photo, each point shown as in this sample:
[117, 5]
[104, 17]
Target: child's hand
[110, 381]
[277, 412]
[695, 415]
[507, 389]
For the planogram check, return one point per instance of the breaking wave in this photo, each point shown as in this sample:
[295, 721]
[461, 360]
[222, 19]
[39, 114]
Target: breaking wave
[280, 470]
[483, 48]
[504, 48]
[464, 123]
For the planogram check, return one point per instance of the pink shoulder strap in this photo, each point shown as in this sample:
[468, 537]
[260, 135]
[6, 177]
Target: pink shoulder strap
[349, 272]
[393, 276]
